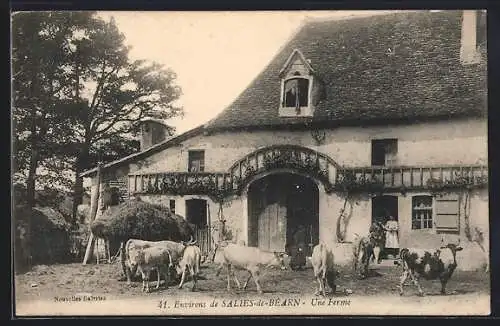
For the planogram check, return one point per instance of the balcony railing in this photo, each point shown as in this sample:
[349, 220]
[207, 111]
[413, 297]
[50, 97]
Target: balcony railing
[179, 183]
[417, 177]
[220, 185]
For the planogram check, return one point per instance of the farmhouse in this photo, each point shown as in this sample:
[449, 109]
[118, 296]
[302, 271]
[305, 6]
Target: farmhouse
[352, 121]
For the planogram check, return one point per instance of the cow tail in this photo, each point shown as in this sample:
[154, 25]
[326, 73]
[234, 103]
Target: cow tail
[170, 262]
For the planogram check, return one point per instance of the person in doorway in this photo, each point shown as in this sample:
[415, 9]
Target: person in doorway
[391, 228]
[297, 249]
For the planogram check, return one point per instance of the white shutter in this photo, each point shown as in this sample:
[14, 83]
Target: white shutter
[447, 212]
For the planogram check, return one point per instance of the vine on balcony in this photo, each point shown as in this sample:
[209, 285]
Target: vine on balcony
[181, 185]
[348, 184]
[459, 181]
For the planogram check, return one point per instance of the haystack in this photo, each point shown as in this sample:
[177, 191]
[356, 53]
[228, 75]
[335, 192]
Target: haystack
[141, 220]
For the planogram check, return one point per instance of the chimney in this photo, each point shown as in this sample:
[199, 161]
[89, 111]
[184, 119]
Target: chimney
[152, 132]
[468, 42]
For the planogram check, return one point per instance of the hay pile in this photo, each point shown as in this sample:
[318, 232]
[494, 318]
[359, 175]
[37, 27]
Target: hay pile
[50, 234]
[141, 220]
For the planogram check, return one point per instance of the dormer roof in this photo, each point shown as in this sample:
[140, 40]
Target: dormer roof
[296, 54]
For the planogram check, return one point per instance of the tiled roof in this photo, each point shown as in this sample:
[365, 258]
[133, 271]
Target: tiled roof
[422, 78]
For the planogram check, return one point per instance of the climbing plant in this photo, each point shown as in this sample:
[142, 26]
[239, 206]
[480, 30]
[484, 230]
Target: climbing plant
[348, 186]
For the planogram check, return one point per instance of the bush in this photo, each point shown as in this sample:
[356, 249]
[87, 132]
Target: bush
[49, 241]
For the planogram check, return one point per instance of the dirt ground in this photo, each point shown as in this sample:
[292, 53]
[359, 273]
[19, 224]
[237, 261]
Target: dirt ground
[48, 282]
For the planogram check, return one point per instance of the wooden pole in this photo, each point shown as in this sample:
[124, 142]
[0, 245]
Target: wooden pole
[94, 204]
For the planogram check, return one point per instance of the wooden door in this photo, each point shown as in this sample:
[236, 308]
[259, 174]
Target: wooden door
[272, 221]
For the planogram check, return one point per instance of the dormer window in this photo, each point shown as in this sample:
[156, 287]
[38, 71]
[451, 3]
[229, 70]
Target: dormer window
[296, 93]
[296, 87]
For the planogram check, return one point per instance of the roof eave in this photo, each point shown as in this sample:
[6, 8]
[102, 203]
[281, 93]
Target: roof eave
[151, 150]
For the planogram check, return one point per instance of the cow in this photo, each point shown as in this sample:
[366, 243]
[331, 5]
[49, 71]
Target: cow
[151, 258]
[430, 264]
[190, 261]
[481, 238]
[377, 236]
[322, 261]
[175, 249]
[251, 259]
[367, 248]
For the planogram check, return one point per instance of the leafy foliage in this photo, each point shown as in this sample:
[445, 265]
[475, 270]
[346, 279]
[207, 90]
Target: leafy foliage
[50, 241]
[78, 98]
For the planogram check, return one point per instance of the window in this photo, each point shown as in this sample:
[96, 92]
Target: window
[172, 205]
[196, 161]
[421, 217]
[296, 93]
[384, 151]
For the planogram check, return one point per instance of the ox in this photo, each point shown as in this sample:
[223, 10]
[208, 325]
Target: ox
[190, 261]
[175, 250]
[250, 259]
[322, 261]
[430, 264]
[152, 258]
[367, 248]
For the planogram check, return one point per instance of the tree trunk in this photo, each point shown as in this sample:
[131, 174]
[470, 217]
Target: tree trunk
[93, 213]
[81, 161]
[77, 195]
[30, 193]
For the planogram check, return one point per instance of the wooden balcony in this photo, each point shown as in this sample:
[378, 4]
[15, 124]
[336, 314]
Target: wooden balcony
[416, 177]
[180, 183]
[394, 178]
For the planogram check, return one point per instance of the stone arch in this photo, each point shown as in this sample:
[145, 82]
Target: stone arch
[293, 159]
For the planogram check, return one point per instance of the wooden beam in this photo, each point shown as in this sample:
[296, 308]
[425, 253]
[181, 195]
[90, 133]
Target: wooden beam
[95, 203]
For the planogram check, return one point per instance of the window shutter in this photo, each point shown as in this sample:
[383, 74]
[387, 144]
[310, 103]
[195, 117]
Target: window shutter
[447, 212]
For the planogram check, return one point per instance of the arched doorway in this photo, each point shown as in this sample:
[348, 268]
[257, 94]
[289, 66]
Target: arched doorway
[278, 205]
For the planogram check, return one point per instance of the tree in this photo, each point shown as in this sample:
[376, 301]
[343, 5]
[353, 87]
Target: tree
[39, 50]
[77, 95]
[112, 94]
[39, 61]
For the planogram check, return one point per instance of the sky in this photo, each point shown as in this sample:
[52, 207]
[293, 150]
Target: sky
[214, 54]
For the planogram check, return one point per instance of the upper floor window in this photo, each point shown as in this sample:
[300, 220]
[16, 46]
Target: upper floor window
[296, 93]
[297, 77]
[196, 161]
[384, 151]
[421, 217]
